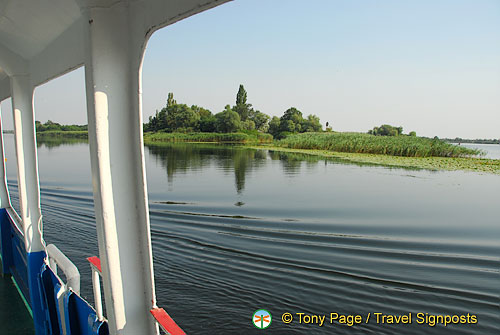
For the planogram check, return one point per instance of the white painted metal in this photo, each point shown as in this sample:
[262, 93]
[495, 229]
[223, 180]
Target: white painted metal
[4, 190]
[96, 285]
[4, 85]
[53, 265]
[27, 162]
[68, 268]
[113, 67]
[40, 40]
[45, 38]
[15, 218]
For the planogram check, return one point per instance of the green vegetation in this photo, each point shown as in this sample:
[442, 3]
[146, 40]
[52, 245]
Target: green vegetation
[292, 122]
[179, 118]
[427, 163]
[52, 130]
[62, 134]
[384, 145]
[249, 137]
[407, 146]
[387, 130]
[55, 127]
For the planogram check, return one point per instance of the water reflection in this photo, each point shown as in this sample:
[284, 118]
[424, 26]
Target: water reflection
[54, 142]
[292, 162]
[184, 157]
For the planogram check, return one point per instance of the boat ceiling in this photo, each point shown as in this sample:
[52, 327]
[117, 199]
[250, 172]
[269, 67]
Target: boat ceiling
[27, 26]
[44, 38]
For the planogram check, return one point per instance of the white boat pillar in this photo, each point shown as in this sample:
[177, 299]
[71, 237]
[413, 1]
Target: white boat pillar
[27, 162]
[113, 69]
[29, 190]
[4, 190]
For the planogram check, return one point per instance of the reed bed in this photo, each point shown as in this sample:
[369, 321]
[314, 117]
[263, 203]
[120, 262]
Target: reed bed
[405, 146]
[69, 134]
[208, 137]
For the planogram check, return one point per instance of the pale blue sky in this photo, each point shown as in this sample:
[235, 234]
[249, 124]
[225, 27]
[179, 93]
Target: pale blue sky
[432, 66]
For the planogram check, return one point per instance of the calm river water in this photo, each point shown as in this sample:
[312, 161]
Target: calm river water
[236, 229]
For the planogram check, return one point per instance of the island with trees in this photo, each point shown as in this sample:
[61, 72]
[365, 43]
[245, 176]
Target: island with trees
[239, 123]
[242, 123]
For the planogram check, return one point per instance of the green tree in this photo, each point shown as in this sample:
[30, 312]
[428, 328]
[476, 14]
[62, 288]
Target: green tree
[241, 96]
[261, 121]
[312, 124]
[243, 109]
[207, 120]
[208, 124]
[274, 126]
[170, 100]
[292, 120]
[386, 130]
[181, 117]
[288, 126]
[202, 112]
[248, 125]
[412, 133]
[227, 121]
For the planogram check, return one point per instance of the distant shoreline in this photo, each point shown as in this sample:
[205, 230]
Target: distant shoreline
[477, 141]
[482, 165]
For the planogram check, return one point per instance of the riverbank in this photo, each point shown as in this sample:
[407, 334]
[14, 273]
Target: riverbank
[264, 141]
[250, 137]
[159, 137]
[427, 163]
[59, 134]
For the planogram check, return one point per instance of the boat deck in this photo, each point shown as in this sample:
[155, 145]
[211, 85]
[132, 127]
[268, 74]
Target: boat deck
[14, 316]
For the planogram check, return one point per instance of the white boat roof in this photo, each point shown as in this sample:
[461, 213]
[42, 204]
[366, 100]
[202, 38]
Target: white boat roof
[45, 38]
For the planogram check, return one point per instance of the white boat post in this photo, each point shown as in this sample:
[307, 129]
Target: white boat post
[27, 162]
[4, 189]
[108, 37]
[28, 186]
[114, 51]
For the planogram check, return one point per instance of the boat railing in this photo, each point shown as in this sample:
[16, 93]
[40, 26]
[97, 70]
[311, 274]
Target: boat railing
[56, 302]
[59, 260]
[95, 265]
[17, 222]
[165, 322]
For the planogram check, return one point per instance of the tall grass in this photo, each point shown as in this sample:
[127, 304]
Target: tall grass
[208, 137]
[406, 146]
[80, 134]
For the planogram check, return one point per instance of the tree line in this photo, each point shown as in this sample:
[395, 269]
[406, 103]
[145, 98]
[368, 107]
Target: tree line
[241, 117]
[54, 126]
[476, 141]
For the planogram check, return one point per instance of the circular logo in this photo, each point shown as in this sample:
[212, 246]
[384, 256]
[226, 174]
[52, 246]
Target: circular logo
[262, 319]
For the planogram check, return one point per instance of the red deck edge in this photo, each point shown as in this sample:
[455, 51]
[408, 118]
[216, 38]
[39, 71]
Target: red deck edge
[95, 261]
[166, 322]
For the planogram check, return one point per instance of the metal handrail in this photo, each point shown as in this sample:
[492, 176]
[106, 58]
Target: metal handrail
[166, 322]
[95, 265]
[58, 259]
